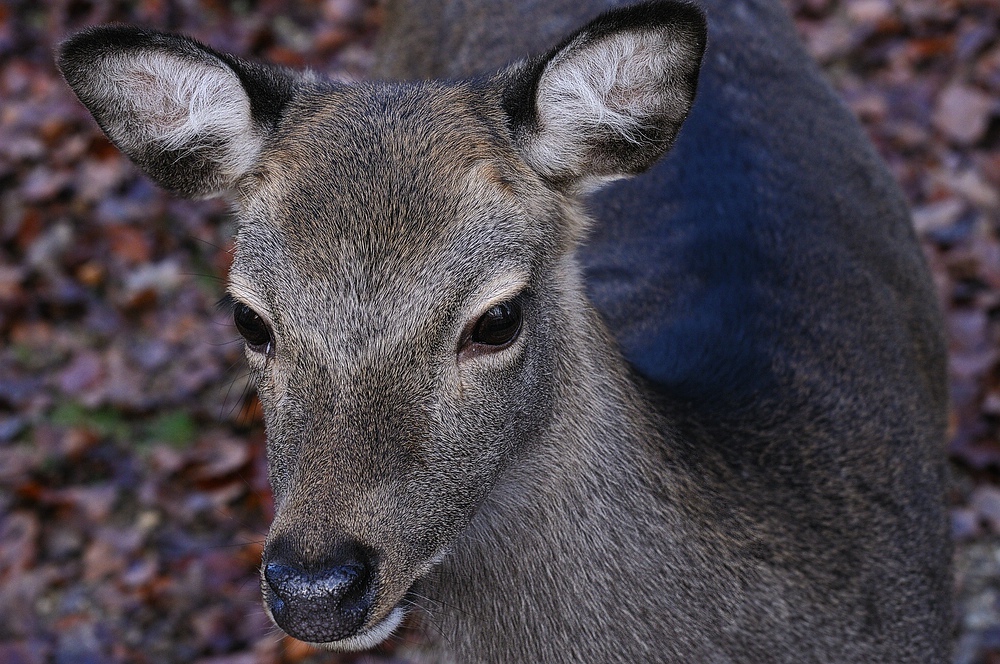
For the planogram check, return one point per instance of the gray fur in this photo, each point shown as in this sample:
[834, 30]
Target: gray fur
[543, 502]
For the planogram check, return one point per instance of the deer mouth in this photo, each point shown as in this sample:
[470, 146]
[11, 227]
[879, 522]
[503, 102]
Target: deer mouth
[368, 638]
[342, 603]
[304, 630]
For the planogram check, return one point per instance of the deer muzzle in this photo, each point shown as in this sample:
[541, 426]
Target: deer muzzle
[322, 601]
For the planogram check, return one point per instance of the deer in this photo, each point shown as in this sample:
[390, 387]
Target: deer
[584, 331]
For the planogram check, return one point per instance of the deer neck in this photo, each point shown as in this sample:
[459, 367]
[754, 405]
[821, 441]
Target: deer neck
[589, 492]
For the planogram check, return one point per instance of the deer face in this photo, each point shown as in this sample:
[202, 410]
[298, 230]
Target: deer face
[404, 273]
[396, 290]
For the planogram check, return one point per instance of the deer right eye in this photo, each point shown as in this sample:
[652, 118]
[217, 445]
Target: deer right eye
[253, 328]
[499, 326]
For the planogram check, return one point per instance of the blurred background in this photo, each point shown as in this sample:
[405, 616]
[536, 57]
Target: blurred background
[133, 492]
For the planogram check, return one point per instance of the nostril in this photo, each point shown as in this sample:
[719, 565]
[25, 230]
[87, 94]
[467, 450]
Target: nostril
[291, 583]
[319, 604]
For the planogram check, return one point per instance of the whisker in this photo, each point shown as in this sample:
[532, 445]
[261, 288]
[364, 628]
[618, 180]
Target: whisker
[247, 409]
[226, 343]
[428, 618]
[233, 545]
[439, 603]
[240, 376]
[204, 275]
[206, 242]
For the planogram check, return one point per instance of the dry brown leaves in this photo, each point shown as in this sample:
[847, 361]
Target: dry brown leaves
[133, 496]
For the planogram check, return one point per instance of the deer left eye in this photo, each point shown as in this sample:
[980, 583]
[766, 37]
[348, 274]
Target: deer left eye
[499, 326]
[253, 328]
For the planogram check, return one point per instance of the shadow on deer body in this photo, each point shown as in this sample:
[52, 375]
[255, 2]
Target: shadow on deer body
[451, 423]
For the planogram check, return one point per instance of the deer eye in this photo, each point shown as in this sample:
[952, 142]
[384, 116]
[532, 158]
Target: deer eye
[253, 328]
[499, 326]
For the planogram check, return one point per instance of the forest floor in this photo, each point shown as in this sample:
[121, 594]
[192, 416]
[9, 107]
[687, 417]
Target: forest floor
[133, 489]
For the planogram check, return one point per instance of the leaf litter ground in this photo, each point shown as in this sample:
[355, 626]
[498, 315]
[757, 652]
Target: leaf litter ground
[133, 490]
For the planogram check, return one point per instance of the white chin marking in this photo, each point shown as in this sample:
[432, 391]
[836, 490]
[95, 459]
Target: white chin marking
[370, 638]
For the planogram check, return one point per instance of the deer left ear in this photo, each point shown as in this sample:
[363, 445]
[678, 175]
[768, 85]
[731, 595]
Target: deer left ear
[609, 100]
[192, 118]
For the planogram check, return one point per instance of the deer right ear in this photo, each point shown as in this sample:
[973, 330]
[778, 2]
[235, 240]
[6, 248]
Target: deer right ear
[609, 100]
[192, 118]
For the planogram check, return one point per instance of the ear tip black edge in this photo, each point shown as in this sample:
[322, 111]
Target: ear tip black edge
[688, 15]
[89, 42]
[78, 50]
[682, 11]
[108, 34]
[676, 13]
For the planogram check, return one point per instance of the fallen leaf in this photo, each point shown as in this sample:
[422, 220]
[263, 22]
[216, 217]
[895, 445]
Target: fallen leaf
[19, 533]
[963, 113]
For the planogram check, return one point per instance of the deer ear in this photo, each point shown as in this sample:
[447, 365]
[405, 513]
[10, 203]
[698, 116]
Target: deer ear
[609, 100]
[192, 118]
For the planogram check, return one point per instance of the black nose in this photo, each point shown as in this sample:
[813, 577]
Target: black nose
[320, 602]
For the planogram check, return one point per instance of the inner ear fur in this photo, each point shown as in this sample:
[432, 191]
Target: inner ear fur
[609, 100]
[192, 118]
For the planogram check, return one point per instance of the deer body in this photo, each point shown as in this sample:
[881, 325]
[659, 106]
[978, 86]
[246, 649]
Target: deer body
[450, 421]
[783, 228]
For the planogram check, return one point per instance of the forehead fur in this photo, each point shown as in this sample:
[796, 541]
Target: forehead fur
[375, 188]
